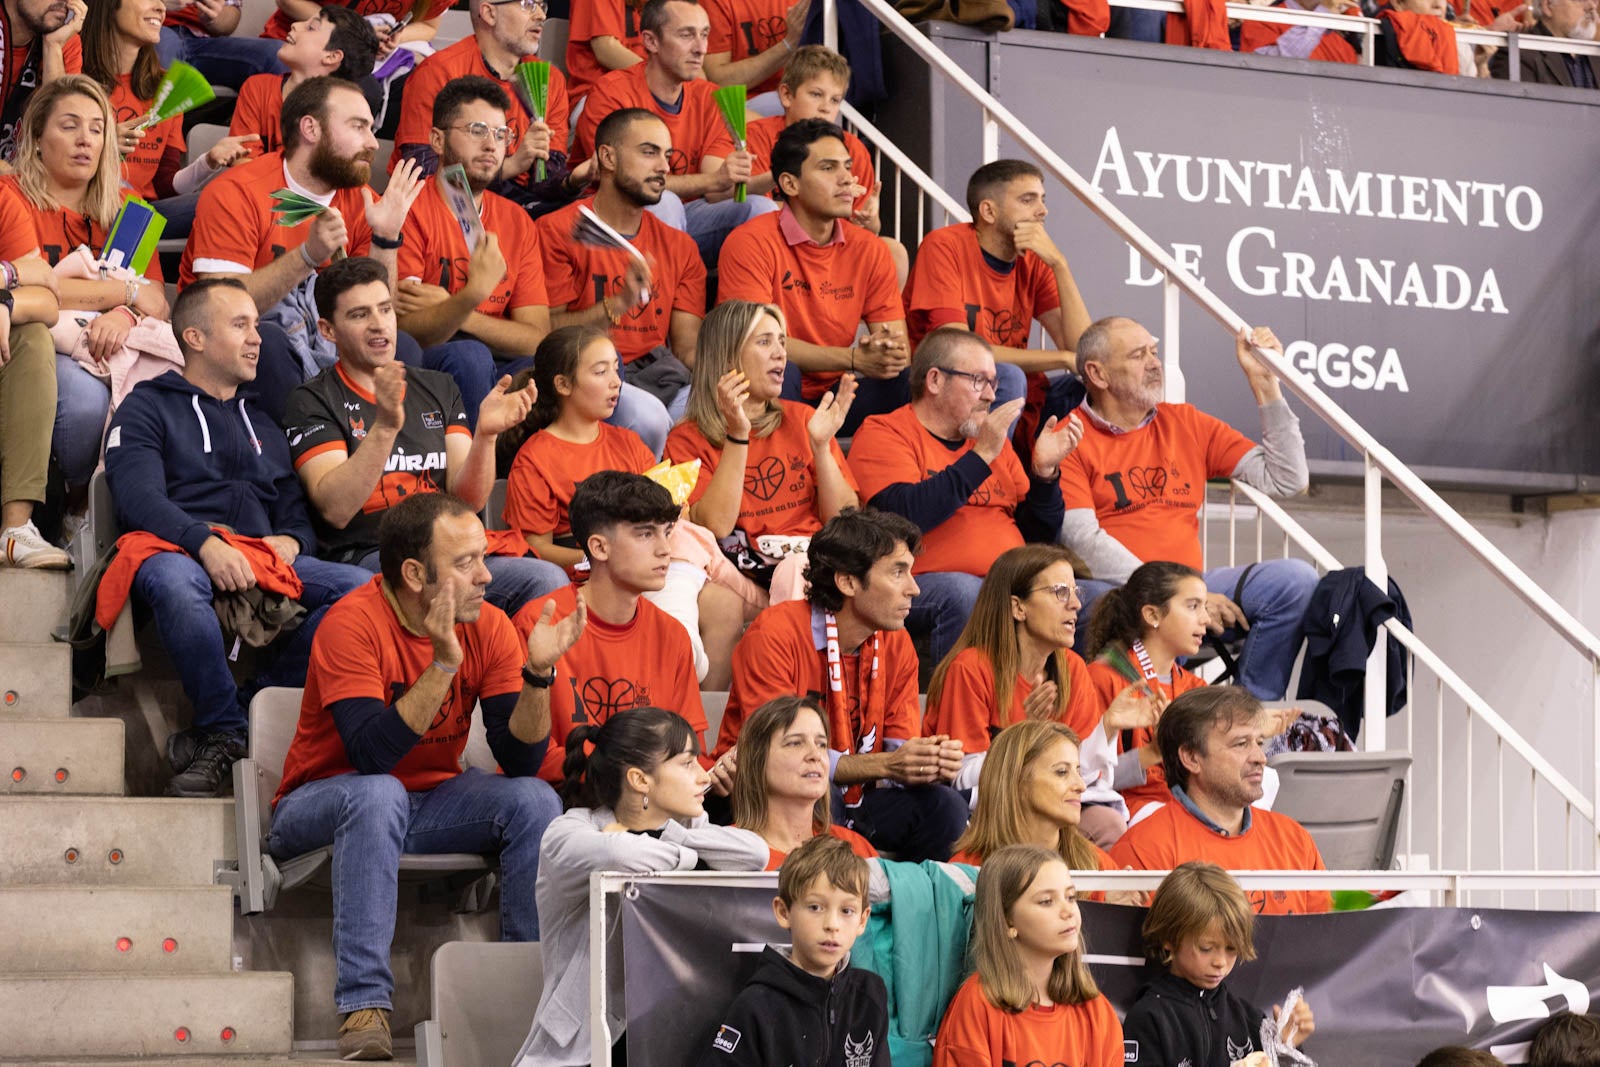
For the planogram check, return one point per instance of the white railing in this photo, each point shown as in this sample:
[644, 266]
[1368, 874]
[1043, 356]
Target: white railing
[931, 201]
[1378, 462]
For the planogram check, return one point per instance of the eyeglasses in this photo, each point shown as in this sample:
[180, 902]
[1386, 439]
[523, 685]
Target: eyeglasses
[481, 130]
[526, 5]
[1063, 592]
[980, 382]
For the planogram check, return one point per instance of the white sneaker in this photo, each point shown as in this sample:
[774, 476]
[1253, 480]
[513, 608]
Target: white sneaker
[24, 547]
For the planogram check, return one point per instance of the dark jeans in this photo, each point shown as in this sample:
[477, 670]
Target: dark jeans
[223, 60]
[874, 396]
[916, 823]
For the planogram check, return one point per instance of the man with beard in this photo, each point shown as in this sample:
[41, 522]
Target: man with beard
[504, 34]
[328, 146]
[491, 297]
[1134, 487]
[653, 311]
[945, 462]
[1573, 19]
[41, 44]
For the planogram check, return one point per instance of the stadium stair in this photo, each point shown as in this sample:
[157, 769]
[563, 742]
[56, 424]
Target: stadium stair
[114, 943]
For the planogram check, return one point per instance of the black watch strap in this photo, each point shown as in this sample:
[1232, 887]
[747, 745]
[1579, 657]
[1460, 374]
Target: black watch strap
[538, 681]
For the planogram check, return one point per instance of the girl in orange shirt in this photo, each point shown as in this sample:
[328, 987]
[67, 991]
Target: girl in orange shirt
[1137, 635]
[579, 381]
[1032, 998]
[776, 472]
[781, 785]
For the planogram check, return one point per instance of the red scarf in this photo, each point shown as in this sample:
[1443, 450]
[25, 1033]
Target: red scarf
[861, 731]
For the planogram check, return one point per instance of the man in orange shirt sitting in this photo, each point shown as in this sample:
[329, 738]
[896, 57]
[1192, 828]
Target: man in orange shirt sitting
[945, 462]
[1211, 742]
[1134, 487]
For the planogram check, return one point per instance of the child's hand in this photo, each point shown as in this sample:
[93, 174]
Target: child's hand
[1299, 1026]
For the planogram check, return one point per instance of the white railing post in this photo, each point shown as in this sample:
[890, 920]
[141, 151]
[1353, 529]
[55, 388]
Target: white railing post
[1375, 722]
[830, 24]
[991, 138]
[1171, 306]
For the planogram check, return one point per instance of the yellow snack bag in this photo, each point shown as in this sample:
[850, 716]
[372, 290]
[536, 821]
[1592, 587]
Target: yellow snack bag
[679, 479]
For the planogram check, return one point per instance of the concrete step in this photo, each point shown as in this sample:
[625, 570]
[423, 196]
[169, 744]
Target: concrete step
[173, 1018]
[36, 680]
[122, 841]
[56, 757]
[70, 930]
[35, 602]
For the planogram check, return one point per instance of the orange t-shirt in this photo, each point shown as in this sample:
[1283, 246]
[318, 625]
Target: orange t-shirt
[361, 650]
[780, 474]
[858, 844]
[1170, 835]
[975, 1032]
[19, 229]
[762, 134]
[825, 291]
[646, 662]
[697, 128]
[1333, 48]
[278, 25]
[139, 169]
[259, 110]
[783, 653]
[435, 250]
[1427, 42]
[458, 60]
[599, 18]
[579, 275]
[1146, 485]
[746, 28]
[1109, 682]
[16, 64]
[896, 448]
[953, 282]
[548, 469]
[967, 712]
[51, 233]
[1102, 858]
[234, 225]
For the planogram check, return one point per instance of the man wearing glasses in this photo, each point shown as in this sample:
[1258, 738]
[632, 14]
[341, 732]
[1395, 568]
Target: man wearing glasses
[945, 462]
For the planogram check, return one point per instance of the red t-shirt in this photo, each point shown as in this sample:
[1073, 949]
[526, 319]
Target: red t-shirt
[458, 60]
[745, 28]
[1331, 49]
[762, 134]
[547, 470]
[19, 230]
[895, 448]
[858, 844]
[1146, 485]
[825, 291]
[599, 18]
[952, 282]
[435, 250]
[259, 110]
[52, 233]
[139, 169]
[579, 275]
[361, 651]
[967, 711]
[975, 1032]
[1171, 835]
[234, 224]
[697, 127]
[647, 662]
[780, 474]
[278, 25]
[782, 653]
[1109, 682]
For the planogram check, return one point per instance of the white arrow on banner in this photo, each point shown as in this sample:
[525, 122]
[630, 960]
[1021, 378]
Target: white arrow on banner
[1511, 1003]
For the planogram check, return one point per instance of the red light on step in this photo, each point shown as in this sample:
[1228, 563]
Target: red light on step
[169, 945]
[124, 944]
[227, 1034]
[18, 773]
[115, 855]
[61, 775]
[11, 697]
[181, 1035]
[71, 855]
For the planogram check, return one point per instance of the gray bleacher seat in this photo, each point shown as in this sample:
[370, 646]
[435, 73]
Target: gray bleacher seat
[1349, 801]
[484, 995]
[453, 26]
[202, 137]
[494, 511]
[253, 16]
[259, 878]
[380, 167]
[553, 44]
[715, 702]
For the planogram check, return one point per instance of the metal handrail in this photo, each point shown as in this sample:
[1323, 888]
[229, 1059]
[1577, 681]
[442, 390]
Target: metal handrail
[879, 140]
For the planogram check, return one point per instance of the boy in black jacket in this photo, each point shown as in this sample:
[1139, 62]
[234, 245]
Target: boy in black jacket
[810, 1007]
[1198, 927]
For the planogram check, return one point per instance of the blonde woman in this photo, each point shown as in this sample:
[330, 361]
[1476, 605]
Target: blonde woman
[1031, 998]
[771, 471]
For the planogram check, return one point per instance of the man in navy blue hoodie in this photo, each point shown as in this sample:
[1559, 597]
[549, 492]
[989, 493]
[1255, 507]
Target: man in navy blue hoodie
[184, 453]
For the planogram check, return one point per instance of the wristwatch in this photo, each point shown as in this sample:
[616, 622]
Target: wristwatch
[7, 299]
[538, 681]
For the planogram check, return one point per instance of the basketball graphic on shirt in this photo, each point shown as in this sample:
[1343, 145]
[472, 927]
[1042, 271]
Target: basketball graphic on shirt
[604, 697]
[1148, 481]
[1002, 326]
[765, 479]
[761, 34]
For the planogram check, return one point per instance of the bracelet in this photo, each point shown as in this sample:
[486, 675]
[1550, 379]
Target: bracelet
[10, 270]
[732, 440]
[132, 314]
[130, 293]
[388, 244]
[436, 665]
[306, 256]
[788, 44]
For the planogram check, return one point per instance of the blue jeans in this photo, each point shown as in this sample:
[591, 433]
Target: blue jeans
[370, 820]
[513, 581]
[223, 60]
[874, 396]
[81, 404]
[1274, 600]
[709, 224]
[178, 210]
[942, 607]
[178, 592]
[1130, 25]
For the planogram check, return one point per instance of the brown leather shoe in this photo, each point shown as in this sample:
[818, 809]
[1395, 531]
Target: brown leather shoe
[365, 1035]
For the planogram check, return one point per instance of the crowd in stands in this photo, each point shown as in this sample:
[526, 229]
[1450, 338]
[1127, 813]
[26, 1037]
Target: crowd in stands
[867, 453]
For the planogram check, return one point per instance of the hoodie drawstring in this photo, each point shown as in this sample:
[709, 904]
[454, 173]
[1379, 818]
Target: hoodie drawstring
[205, 431]
[254, 440]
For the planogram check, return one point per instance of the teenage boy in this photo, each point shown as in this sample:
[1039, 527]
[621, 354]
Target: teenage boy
[336, 42]
[809, 1004]
[631, 653]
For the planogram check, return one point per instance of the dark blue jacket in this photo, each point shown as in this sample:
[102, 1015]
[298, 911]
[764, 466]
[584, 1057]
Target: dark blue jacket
[1341, 626]
[178, 461]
